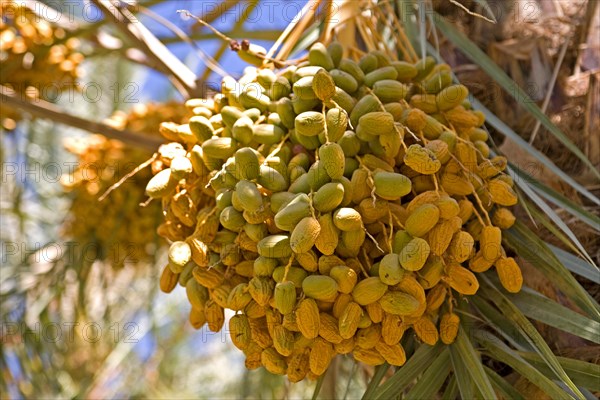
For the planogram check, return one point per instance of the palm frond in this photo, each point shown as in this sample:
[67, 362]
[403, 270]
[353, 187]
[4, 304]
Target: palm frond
[463, 354]
[534, 250]
[415, 365]
[432, 379]
[576, 265]
[493, 347]
[536, 306]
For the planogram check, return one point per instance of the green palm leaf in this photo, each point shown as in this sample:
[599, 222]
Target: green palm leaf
[380, 371]
[462, 353]
[583, 373]
[415, 366]
[451, 389]
[558, 199]
[496, 320]
[535, 305]
[432, 379]
[550, 214]
[505, 388]
[576, 265]
[494, 348]
[535, 250]
[527, 329]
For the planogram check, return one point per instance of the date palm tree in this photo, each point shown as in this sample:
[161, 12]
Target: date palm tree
[503, 348]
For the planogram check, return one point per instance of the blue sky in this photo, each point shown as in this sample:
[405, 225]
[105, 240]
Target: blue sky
[268, 14]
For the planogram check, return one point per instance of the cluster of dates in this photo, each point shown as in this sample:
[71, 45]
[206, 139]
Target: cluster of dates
[115, 229]
[333, 206]
[37, 59]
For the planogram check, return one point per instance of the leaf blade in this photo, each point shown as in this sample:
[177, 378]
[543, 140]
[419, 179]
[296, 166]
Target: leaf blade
[527, 330]
[318, 386]
[576, 265]
[415, 365]
[503, 386]
[380, 371]
[534, 250]
[584, 373]
[462, 352]
[451, 389]
[542, 205]
[484, 4]
[432, 379]
[499, 323]
[549, 222]
[559, 200]
[494, 348]
[535, 305]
